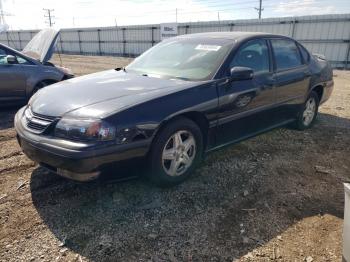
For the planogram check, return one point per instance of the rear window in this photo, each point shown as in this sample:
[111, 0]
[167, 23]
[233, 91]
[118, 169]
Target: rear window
[286, 54]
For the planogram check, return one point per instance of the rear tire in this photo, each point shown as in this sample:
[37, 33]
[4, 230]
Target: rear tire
[307, 116]
[177, 150]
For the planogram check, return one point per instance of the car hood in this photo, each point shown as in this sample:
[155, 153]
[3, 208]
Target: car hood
[42, 46]
[101, 94]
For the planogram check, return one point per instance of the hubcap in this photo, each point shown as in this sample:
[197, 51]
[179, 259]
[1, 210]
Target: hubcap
[309, 112]
[179, 153]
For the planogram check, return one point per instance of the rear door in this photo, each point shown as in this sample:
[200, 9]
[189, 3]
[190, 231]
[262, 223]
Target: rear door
[12, 78]
[292, 77]
[244, 104]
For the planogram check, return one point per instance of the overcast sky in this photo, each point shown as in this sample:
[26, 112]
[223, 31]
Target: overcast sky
[29, 14]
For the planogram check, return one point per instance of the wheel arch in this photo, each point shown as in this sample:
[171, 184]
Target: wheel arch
[47, 81]
[39, 84]
[197, 117]
[318, 89]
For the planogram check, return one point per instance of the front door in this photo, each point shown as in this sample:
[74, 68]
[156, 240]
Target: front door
[12, 78]
[244, 104]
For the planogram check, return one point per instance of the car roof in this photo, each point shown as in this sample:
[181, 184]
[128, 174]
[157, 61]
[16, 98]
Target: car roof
[9, 48]
[237, 35]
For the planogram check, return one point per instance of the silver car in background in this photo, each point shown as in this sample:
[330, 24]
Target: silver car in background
[22, 73]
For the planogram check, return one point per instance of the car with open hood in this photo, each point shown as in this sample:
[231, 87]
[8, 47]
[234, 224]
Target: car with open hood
[24, 72]
[184, 97]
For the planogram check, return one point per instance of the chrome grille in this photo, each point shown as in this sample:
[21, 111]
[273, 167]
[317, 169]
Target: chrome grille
[37, 123]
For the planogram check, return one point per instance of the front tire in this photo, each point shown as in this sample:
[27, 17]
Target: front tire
[307, 116]
[176, 151]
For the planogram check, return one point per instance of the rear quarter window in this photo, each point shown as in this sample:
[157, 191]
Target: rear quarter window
[305, 54]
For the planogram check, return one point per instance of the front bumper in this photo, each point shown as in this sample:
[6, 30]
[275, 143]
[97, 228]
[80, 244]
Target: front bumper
[78, 161]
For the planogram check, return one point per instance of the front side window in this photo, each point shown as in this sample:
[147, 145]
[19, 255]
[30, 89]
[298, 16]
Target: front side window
[254, 54]
[286, 54]
[3, 55]
[187, 59]
[22, 61]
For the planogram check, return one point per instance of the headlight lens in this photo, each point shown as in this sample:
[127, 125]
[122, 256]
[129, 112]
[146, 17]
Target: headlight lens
[85, 130]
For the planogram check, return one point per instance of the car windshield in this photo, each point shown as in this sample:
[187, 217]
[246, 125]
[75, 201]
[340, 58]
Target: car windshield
[187, 59]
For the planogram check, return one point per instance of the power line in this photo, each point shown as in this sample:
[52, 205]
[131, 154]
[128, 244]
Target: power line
[214, 7]
[219, 8]
[211, 7]
[49, 16]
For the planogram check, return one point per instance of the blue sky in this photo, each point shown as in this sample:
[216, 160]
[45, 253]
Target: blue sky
[29, 14]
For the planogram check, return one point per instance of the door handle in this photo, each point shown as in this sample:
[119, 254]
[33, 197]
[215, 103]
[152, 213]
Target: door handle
[268, 86]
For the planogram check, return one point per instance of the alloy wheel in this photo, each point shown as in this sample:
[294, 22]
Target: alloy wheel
[309, 112]
[178, 153]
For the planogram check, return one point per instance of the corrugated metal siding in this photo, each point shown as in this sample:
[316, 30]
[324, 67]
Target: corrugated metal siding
[324, 34]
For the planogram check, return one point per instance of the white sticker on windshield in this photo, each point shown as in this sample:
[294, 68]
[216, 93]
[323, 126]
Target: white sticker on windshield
[208, 47]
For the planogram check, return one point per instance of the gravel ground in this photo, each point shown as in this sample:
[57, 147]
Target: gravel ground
[278, 196]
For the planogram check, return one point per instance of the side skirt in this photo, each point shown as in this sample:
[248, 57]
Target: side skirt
[250, 135]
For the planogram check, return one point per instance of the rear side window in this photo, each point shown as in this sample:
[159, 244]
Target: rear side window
[286, 54]
[253, 54]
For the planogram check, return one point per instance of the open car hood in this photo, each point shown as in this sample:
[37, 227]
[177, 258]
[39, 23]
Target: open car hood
[42, 46]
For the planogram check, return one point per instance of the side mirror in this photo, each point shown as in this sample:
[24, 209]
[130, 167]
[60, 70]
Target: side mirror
[241, 73]
[11, 59]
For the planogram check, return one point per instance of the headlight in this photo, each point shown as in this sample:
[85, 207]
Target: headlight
[84, 129]
[65, 70]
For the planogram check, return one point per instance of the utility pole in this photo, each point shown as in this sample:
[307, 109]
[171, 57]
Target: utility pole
[2, 19]
[49, 16]
[176, 15]
[260, 8]
[3, 14]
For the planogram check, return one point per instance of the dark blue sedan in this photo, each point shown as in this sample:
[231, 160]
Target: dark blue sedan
[182, 98]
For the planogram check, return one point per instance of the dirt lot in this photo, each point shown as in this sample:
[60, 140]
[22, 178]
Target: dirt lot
[278, 196]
